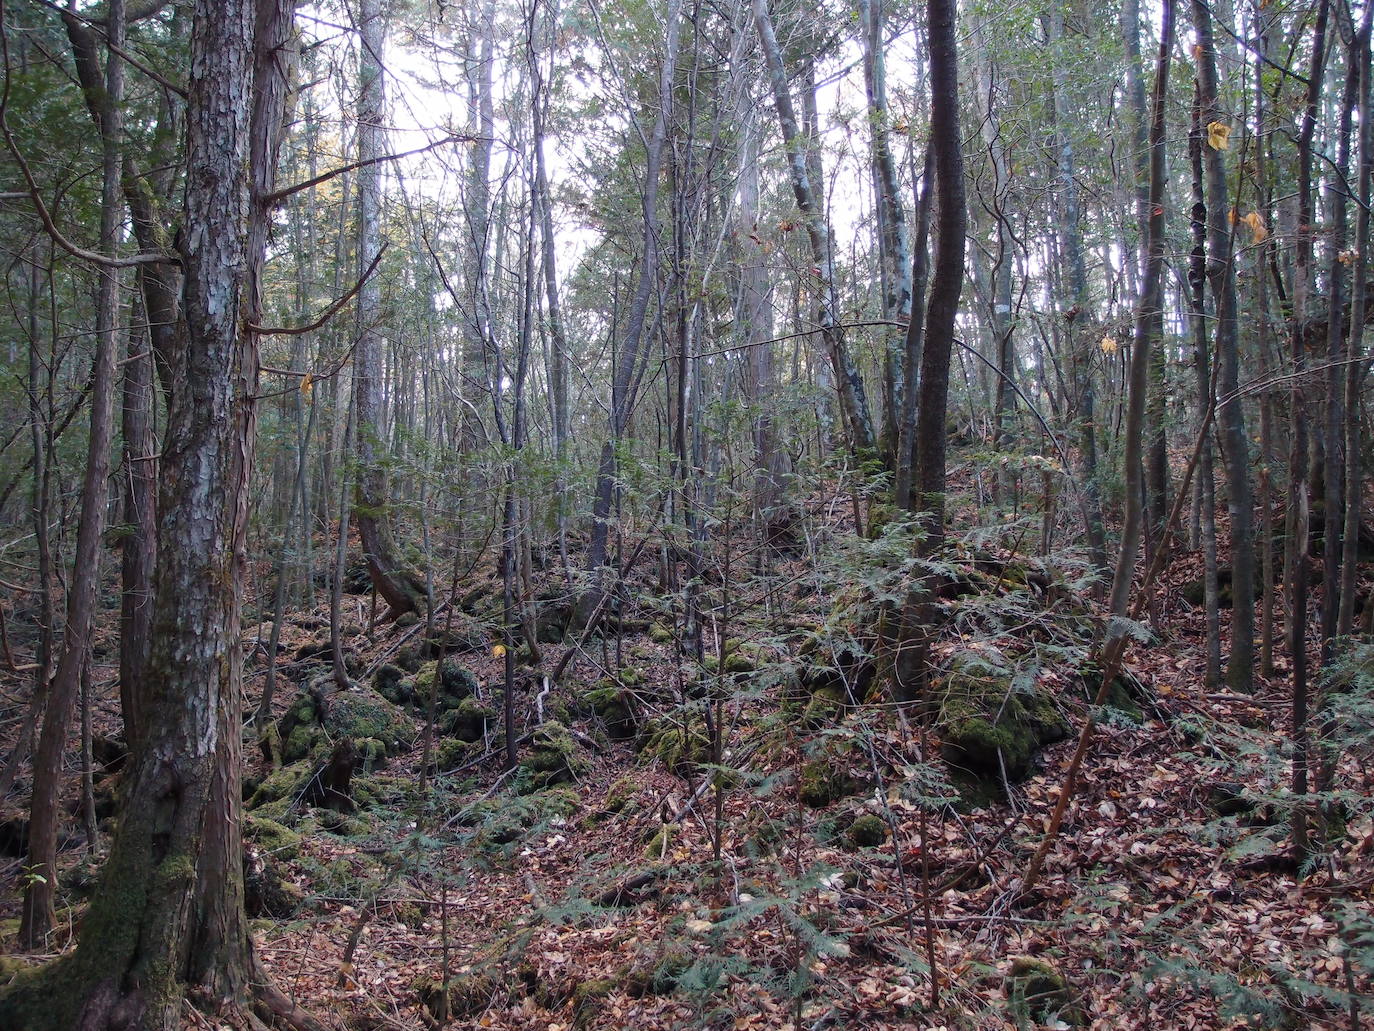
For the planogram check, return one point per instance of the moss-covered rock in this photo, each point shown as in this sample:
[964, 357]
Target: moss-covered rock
[589, 997]
[281, 786]
[456, 684]
[660, 634]
[615, 707]
[988, 726]
[554, 757]
[660, 841]
[450, 754]
[824, 708]
[387, 682]
[364, 715]
[465, 995]
[1125, 693]
[468, 720]
[271, 837]
[1037, 993]
[821, 782]
[680, 744]
[867, 831]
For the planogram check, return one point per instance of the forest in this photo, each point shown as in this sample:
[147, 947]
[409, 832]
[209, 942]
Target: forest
[686, 514]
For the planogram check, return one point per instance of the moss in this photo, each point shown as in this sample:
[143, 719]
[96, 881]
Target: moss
[1038, 993]
[468, 720]
[618, 796]
[868, 831]
[364, 714]
[824, 707]
[986, 725]
[451, 754]
[681, 747]
[615, 708]
[821, 783]
[175, 871]
[660, 841]
[554, 758]
[284, 784]
[660, 973]
[660, 634]
[467, 994]
[588, 997]
[271, 837]
[391, 683]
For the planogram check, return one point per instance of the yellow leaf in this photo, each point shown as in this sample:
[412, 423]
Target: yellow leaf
[307, 384]
[1109, 345]
[1218, 135]
[498, 650]
[1259, 232]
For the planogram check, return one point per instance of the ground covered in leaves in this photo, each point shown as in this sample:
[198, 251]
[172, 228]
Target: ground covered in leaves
[757, 837]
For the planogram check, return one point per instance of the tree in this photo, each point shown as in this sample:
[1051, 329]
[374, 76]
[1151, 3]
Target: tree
[393, 582]
[167, 919]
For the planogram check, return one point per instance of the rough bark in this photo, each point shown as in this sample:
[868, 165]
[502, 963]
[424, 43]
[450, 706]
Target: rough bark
[167, 918]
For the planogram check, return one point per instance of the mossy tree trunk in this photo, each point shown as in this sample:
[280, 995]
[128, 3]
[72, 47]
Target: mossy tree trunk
[167, 920]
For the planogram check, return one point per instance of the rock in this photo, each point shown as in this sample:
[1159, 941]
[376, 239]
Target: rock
[615, 707]
[554, 757]
[271, 837]
[867, 831]
[821, 783]
[680, 744]
[456, 683]
[1038, 993]
[386, 682]
[364, 715]
[988, 726]
[467, 721]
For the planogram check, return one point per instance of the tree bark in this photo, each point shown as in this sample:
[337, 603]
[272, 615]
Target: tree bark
[802, 160]
[167, 918]
[392, 580]
[38, 916]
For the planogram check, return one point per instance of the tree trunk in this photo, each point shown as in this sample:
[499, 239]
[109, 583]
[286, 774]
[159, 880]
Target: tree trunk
[1296, 524]
[167, 918]
[802, 161]
[40, 887]
[391, 579]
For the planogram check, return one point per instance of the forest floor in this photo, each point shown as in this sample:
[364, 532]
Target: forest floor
[1167, 900]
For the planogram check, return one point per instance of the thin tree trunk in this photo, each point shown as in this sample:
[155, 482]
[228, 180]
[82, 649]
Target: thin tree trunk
[38, 916]
[1221, 274]
[396, 584]
[802, 161]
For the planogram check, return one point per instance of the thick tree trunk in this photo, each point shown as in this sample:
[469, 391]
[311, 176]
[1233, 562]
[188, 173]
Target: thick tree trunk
[168, 917]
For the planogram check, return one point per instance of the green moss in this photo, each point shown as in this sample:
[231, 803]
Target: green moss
[660, 634]
[285, 784]
[468, 720]
[271, 837]
[364, 714]
[588, 997]
[388, 681]
[824, 707]
[660, 841]
[451, 754]
[868, 831]
[1038, 993]
[615, 708]
[680, 746]
[821, 783]
[554, 757]
[618, 796]
[986, 724]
